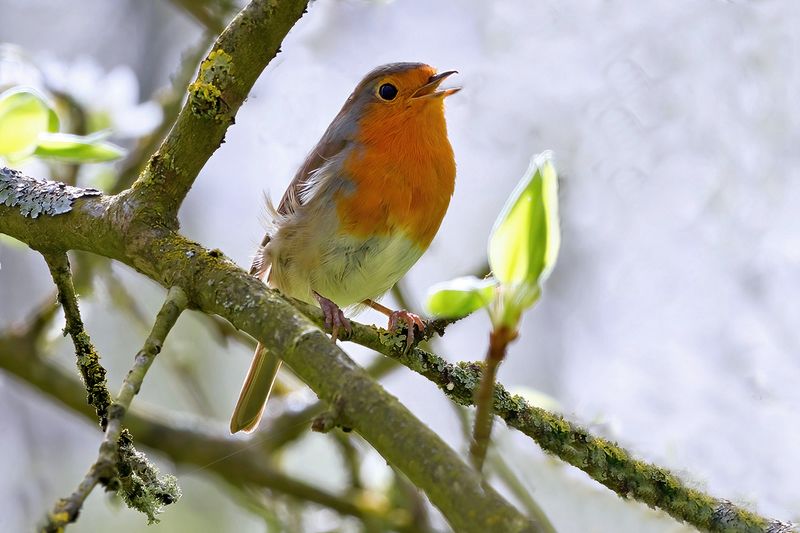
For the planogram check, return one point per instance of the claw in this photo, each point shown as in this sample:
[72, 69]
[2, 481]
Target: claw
[334, 317]
[410, 320]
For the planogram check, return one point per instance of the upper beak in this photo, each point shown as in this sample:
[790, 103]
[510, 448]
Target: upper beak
[429, 89]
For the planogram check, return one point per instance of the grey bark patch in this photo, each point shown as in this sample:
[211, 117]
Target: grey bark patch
[36, 196]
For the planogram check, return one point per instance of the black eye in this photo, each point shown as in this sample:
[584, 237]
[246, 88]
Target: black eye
[387, 91]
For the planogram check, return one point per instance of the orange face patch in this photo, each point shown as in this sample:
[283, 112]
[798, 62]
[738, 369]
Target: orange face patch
[403, 172]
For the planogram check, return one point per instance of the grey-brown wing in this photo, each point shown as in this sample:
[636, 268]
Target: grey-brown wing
[291, 200]
[321, 154]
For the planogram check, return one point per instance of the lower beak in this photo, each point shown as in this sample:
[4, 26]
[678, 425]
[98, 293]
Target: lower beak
[429, 89]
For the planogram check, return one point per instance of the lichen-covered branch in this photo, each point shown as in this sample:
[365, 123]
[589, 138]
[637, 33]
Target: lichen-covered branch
[119, 466]
[604, 461]
[88, 360]
[215, 285]
[185, 442]
[223, 82]
[35, 196]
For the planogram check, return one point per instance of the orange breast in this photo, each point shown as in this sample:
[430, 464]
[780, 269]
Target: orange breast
[403, 172]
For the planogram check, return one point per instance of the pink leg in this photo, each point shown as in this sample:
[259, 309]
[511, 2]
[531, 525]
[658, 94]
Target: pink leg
[334, 317]
[410, 319]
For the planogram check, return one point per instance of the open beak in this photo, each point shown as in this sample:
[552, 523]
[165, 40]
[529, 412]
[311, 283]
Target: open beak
[429, 89]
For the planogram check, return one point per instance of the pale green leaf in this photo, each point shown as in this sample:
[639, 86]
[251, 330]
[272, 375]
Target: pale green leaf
[525, 240]
[459, 297]
[24, 115]
[76, 149]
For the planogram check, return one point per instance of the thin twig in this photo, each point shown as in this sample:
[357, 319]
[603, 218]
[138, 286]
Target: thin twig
[210, 15]
[500, 467]
[518, 489]
[88, 360]
[104, 470]
[170, 311]
[481, 434]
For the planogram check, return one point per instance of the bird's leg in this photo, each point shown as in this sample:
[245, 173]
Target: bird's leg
[334, 317]
[411, 320]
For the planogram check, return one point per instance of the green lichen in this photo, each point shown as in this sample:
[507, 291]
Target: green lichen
[160, 164]
[392, 340]
[140, 484]
[92, 372]
[205, 93]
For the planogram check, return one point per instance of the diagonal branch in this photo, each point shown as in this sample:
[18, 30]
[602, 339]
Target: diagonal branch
[214, 285]
[88, 360]
[170, 99]
[223, 82]
[604, 461]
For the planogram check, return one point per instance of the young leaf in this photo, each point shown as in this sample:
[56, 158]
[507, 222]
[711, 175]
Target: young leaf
[459, 297]
[76, 149]
[524, 243]
[24, 115]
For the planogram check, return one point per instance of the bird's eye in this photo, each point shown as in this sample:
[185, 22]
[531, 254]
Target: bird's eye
[387, 91]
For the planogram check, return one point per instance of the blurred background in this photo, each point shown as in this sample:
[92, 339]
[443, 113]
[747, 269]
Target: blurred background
[669, 324]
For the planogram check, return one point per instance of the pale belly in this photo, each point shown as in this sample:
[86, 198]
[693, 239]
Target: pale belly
[344, 269]
[357, 270]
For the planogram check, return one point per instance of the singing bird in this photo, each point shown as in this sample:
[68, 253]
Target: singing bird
[361, 210]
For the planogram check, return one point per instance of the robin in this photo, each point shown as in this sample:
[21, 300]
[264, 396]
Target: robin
[361, 210]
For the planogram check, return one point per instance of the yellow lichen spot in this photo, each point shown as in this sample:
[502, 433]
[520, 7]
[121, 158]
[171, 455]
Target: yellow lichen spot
[206, 92]
[59, 518]
[205, 99]
[216, 68]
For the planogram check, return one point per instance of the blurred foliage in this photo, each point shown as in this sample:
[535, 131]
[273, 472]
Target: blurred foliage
[29, 126]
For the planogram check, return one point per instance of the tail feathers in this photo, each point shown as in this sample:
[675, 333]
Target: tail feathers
[255, 391]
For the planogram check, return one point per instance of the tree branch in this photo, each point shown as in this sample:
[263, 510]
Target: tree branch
[117, 456]
[184, 441]
[88, 360]
[604, 461]
[223, 82]
[215, 285]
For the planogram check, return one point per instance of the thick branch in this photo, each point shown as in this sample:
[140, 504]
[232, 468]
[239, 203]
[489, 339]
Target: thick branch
[215, 285]
[225, 78]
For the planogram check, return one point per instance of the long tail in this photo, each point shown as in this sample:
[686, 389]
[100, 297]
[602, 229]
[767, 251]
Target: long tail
[255, 391]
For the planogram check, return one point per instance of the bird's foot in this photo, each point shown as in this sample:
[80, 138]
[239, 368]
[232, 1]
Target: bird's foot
[410, 320]
[334, 317]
